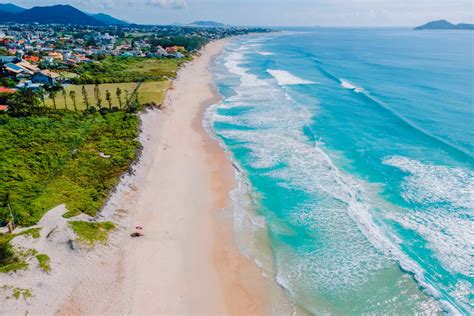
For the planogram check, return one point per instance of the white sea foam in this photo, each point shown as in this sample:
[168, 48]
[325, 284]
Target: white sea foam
[428, 183]
[284, 78]
[445, 220]
[265, 53]
[347, 85]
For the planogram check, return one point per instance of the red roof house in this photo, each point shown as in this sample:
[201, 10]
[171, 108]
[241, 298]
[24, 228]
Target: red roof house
[7, 90]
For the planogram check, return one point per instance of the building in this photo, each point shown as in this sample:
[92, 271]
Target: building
[10, 70]
[172, 50]
[29, 85]
[45, 77]
[7, 90]
[8, 59]
[29, 67]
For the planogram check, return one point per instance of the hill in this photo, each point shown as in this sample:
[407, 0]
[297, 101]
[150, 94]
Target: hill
[6, 16]
[11, 8]
[60, 14]
[445, 25]
[107, 19]
[207, 24]
[56, 14]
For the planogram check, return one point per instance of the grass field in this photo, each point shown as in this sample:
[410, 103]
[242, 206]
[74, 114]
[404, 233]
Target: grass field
[149, 92]
[50, 160]
[128, 69]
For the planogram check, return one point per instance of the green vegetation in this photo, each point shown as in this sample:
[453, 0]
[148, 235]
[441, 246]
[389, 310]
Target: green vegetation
[9, 260]
[49, 160]
[17, 292]
[148, 92]
[127, 69]
[44, 262]
[33, 232]
[91, 233]
[190, 43]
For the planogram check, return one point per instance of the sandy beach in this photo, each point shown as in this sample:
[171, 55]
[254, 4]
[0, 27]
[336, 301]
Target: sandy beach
[187, 263]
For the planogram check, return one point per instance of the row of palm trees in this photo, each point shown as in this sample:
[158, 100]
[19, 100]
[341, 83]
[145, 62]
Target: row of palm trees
[86, 99]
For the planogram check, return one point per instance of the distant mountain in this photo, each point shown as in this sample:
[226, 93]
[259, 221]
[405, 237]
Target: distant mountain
[107, 19]
[445, 25]
[6, 16]
[11, 8]
[56, 14]
[207, 24]
[60, 14]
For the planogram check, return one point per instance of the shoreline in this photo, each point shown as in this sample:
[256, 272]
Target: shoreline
[187, 262]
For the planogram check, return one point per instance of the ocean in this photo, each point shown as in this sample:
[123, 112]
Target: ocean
[354, 153]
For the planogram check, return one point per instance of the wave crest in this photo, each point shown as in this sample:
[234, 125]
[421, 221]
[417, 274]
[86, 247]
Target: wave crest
[285, 78]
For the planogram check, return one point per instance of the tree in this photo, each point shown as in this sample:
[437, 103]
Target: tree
[86, 97]
[108, 97]
[41, 96]
[127, 101]
[136, 99]
[97, 95]
[22, 103]
[72, 95]
[119, 94]
[52, 96]
[65, 99]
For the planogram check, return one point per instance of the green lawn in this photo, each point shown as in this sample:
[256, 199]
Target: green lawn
[149, 92]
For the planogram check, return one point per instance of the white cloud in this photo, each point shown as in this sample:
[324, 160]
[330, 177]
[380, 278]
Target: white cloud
[168, 4]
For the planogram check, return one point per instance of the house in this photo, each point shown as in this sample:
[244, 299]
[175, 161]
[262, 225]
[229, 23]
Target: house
[8, 59]
[10, 70]
[29, 85]
[45, 77]
[22, 71]
[32, 59]
[7, 90]
[161, 52]
[56, 55]
[29, 67]
[172, 50]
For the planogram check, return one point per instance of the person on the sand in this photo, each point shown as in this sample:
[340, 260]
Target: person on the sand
[138, 231]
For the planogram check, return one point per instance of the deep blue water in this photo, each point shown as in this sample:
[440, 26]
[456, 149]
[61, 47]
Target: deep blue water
[358, 145]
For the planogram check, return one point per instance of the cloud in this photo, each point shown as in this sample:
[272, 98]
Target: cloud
[167, 4]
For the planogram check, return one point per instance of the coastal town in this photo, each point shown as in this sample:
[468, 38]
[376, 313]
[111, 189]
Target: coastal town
[45, 58]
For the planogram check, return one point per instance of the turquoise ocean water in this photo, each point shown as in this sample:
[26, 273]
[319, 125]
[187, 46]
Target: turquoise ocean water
[357, 146]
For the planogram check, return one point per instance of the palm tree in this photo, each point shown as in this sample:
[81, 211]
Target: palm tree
[108, 98]
[136, 98]
[41, 96]
[65, 99]
[52, 96]
[97, 95]
[118, 92]
[86, 97]
[72, 95]
[127, 101]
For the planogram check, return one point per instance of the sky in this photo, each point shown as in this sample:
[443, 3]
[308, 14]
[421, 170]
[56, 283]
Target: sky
[277, 12]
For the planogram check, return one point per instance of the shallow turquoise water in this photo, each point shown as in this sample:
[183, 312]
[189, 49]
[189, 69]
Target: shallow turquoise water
[358, 146]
